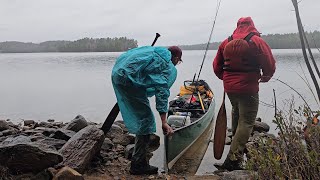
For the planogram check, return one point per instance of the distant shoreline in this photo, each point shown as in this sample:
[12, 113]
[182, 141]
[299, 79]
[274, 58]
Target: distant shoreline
[124, 51]
[121, 44]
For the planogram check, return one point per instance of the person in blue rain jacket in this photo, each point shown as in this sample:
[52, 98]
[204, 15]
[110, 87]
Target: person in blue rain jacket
[138, 74]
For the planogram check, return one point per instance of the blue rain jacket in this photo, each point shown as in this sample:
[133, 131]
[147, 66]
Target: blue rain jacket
[138, 74]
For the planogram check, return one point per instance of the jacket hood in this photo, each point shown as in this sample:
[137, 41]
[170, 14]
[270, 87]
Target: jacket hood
[245, 25]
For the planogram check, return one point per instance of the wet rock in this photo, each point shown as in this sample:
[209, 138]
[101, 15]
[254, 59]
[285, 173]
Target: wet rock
[22, 157]
[63, 134]
[4, 125]
[82, 147]
[16, 140]
[47, 131]
[122, 125]
[261, 127]
[128, 151]
[45, 124]
[58, 124]
[115, 131]
[78, 123]
[50, 120]
[228, 141]
[14, 125]
[124, 140]
[32, 131]
[10, 131]
[56, 143]
[28, 122]
[67, 173]
[107, 144]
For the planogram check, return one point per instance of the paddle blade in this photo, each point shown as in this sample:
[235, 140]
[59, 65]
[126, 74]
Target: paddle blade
[220, 132]
[110, 119]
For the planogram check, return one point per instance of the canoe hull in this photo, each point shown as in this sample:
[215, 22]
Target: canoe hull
[184, 137]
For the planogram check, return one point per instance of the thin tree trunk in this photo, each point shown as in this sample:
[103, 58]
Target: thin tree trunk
[295, 4]
[311, 55]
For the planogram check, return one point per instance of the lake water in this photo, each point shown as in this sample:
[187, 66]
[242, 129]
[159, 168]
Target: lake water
[60, 86]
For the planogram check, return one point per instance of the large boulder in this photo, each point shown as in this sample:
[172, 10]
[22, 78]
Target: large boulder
[82, 147]
[21, 156]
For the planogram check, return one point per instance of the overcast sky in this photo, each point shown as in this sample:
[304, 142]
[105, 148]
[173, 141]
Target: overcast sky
[179, 22]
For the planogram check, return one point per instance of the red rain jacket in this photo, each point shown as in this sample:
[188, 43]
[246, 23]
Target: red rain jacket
[245, 82]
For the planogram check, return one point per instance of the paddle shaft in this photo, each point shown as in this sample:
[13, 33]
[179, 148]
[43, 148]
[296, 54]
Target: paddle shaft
[220, 131]
[115, 110]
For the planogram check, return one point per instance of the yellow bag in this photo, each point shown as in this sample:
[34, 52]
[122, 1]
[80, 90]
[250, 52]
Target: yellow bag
[190, 90]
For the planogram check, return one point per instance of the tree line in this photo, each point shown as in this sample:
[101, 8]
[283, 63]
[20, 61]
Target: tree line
[81, 45]
[275, 41]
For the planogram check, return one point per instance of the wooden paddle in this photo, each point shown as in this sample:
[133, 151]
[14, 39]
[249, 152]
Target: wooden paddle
[115, 110]
[220, 131]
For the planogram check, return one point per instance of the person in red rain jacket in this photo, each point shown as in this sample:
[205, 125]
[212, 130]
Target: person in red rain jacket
[243, 61]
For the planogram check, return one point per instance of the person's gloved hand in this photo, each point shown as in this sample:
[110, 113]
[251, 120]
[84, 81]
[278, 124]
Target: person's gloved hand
[167, 130]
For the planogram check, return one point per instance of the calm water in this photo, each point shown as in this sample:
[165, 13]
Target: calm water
[59, 86]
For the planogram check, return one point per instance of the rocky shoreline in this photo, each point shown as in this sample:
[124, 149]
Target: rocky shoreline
[50, 150]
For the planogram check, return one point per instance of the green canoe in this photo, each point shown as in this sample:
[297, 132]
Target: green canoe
[188, 121]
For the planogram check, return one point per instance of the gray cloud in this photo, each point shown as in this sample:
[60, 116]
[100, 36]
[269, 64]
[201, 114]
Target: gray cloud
[178, 21]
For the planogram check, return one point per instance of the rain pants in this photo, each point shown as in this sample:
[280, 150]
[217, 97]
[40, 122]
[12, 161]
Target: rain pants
[138, 74]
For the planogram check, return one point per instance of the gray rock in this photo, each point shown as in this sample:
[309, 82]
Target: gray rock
[16, 140]
[4, 125]
[261, 127]
[82, 147]
[122, 125]
[123, 140]
[115, 131]
[63, 134]
[45, 124]
[56, 143]
[107, 144]
[128, 151]
[78, 123]
[47, 131]
[22, 157]
[28, 122]
[50, 120]
[228, 141]
[10, 131]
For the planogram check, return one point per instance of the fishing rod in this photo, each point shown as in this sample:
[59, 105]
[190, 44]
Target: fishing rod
[207, 47]
[204, 57]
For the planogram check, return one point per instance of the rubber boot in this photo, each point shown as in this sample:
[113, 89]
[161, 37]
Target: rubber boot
[142, 168]
[229, 165]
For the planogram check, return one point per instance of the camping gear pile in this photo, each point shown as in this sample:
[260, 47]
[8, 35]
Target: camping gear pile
[190, 104]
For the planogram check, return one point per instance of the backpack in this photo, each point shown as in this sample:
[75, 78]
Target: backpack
[239, 55]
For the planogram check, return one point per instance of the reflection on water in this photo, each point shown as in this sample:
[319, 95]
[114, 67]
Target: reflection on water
[59, 86]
